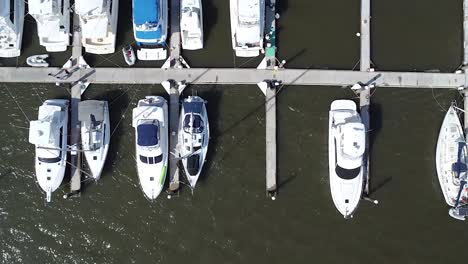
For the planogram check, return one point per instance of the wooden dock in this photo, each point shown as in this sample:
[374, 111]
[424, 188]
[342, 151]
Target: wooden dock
[364, 93]
[75, 157]
[174, 62]
[270, 99]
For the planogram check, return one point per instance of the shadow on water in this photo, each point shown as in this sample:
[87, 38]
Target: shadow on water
[376, 124]
[210, 17]
[125, 26]
[119, 101]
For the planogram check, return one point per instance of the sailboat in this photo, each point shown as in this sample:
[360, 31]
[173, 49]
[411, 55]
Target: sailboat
[95, 134]
[11, 27]
[346, 146]
[49, 135]
[150, 120]
[247, 26]
[53, 23]
[98, 21]
[150, 22]
[451, 164]
[194, 135]
[191, 24]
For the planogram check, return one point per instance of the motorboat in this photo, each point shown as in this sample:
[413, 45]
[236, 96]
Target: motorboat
[150, 120]
[98, 21]
[451, 164]
[346, 147]
[11, 27]
[53, 23]
[194, 135]
[247, 26]
[95, 134]
[150, 22]
[129, 55]
[191, 24]
[49, 135]
[38, 60]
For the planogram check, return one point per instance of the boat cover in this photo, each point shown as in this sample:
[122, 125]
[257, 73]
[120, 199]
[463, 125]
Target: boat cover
[148, 135]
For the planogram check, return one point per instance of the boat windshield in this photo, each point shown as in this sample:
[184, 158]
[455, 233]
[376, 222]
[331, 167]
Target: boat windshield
[193, 123]
[151, 160]
[347, 174]
[49, 160]
[148, 134]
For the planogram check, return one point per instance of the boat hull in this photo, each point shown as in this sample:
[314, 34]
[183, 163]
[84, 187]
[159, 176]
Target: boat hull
[450, 136]
[346, 192]
[11, 31]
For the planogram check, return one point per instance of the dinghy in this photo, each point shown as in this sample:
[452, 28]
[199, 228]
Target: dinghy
[151, 140]
[38, 61]
[53, 23]
[98, 21]
[11, 27]
[129, 55]
[346, 145]
[194, 135]
[191, 24]
[49, 135]
[95, 134]
[247, 26]
[451, 164]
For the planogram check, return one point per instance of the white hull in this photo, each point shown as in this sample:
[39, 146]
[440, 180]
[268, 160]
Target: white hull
[53, 23]
[11, 32]
[95, 140]
[99, 30]
[49, 135]
[191, 24]
[451, 133]
[150, 120]
[194, 140]
[38, 61]
[346, 178]
[247, 40]
[129, 55]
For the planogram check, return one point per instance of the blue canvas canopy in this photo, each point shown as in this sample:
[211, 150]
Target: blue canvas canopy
[147, 135]
[145, 11]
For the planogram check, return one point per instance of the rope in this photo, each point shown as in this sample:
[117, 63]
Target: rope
[129, 104]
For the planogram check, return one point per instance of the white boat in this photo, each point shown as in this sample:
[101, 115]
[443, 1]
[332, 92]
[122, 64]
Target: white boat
[129, 55]
[151, 139]
[247, 26]
[11, 27]
[150, 22]
[191, 24]
[49, 135]
[451, 160]
[95, 134]
[98, 21]
[53, 23]
[346, 146]
[194, 135]
[38, 60]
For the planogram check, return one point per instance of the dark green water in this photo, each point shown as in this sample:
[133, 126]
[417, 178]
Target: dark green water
[228, 219]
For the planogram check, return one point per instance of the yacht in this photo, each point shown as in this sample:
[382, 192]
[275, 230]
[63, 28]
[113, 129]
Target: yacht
[247, 26]
[151, 139]
[98, 21]
[95, 134]
[11, 27]
[53, 23]
[191, 24]
[150, 18]
[451, 164]
[194, 135]
[49, 135]
[346, 146]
